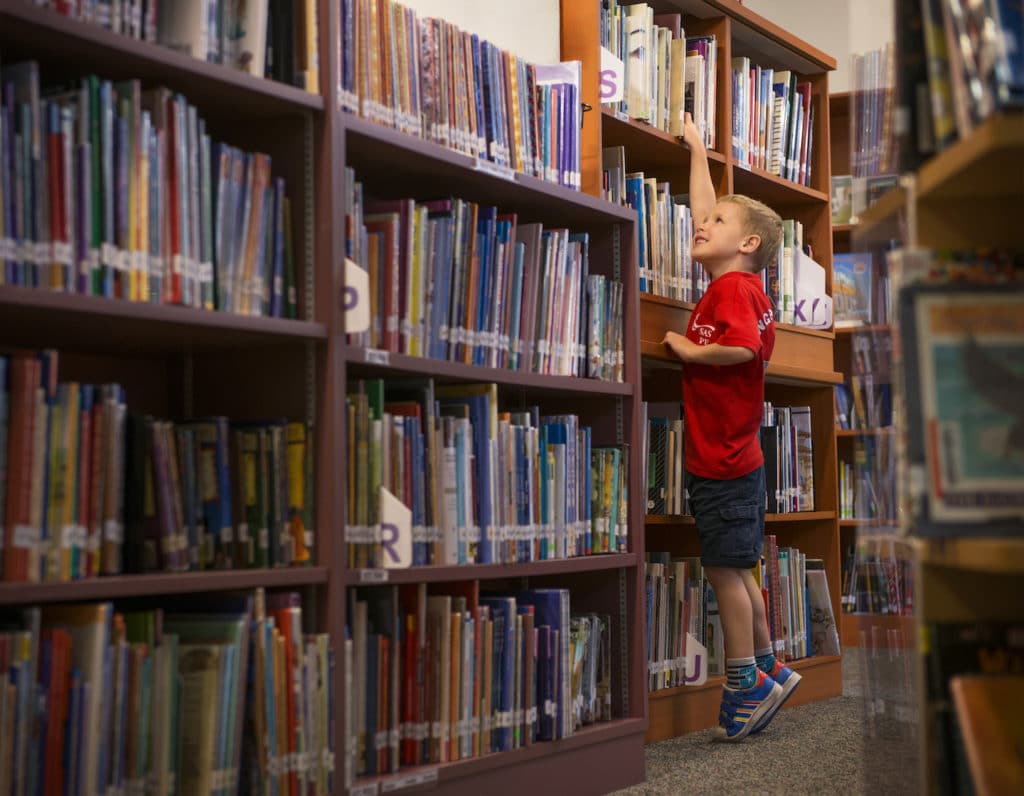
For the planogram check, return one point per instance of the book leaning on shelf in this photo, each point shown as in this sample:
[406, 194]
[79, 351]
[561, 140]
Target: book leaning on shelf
[88, 488]
[222, 694]
[112, 190]
[483, 485]
[426, 77]
[272, 38]
[451, 279]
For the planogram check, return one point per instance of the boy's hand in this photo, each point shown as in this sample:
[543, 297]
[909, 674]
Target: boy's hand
[680, 345]
[691, 135]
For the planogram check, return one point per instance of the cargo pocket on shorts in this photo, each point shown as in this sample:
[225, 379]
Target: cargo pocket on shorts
[740, 530]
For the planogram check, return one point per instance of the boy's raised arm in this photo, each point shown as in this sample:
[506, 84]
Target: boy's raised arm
[702, 189]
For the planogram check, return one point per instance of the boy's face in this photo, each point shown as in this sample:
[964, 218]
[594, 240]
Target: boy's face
[722, 236]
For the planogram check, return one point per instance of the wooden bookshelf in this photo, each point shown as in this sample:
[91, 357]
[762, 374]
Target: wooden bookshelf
[988, 708]
[678, 711]
[801, 370]
[878, 630]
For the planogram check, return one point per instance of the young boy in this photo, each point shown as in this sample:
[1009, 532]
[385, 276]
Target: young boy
[725, 350]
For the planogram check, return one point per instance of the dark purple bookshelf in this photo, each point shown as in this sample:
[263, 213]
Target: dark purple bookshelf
[446, 574]
[33, 317]
[397, 164]
[71, 47]
[597, 753]
[159, 584]
[371, 361]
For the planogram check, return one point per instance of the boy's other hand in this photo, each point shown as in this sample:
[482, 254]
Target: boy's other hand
[680, 345]
[691, 135]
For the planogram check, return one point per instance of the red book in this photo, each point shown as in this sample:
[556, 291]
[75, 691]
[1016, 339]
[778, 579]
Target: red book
[25, 377]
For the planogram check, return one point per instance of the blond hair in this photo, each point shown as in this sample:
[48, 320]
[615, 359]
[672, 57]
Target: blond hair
[760, 220]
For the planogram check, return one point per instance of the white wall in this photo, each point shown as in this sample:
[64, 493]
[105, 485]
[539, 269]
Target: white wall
[838, 27]
[528, 28]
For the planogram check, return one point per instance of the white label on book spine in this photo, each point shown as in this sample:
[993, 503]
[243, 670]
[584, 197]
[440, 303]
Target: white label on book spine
[113, 531]
[531, 715]
[373, 576]
[550, 708]
[494, 169]
[25, 536]
[376, 357]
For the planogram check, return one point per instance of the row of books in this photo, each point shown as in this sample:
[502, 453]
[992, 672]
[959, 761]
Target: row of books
[772, 121]
[867, 482]
[682, 609]
[801, 622]
[786, 444]
[88, 489]
[667, 73]
[454, 674]
[873, 113]
[958, 63]
[268, 38]
[864, 403]
[451, 279]
[483, 485]
[877, 579]
[111, 190]
[680, 605]
[780, 277]
[226, 495]
[221, 695]
[664, 230]
[426, 77]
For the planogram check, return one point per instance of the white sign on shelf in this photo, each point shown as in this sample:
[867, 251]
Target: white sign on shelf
[355, 300]
[395, 531]
[613, 77]
[696, 661]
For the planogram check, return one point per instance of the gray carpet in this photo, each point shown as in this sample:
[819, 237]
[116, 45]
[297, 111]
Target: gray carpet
[817, 748]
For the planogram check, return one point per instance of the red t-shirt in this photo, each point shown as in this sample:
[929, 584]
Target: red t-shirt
[724, 403]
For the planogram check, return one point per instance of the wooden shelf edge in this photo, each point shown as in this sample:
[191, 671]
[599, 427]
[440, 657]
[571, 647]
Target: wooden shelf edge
[452, 573]
[93, 36]
[392, 362]
[718, 680]
[162, 583]
[999, 131]
[590, 736]
[865, 432]
[380, 134]
[803, 191]
[643, 128]
[796, 516]
[776, 374]
[993, 556]
[877, 328]
[31, 298]
[770, 30]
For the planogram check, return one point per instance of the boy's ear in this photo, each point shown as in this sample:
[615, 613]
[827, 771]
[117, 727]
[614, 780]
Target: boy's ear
[750, 244]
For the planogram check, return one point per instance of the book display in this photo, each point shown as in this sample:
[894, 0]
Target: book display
[766, 122]
[955, 290]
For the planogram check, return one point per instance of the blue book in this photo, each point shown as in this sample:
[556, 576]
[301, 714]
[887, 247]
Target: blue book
[3, 440]
[483, 300]
[516, 309]
[503, 614]
[635, 199]
[440, 223]
[551, 608]
[479, 97]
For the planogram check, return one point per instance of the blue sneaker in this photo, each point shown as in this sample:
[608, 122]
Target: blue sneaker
[788, 680]
[743, 710]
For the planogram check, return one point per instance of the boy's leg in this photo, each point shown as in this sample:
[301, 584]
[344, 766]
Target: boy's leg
[766, 662]
[734, 609]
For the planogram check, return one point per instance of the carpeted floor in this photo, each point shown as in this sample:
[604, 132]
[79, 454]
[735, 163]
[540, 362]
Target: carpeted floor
[817, 748]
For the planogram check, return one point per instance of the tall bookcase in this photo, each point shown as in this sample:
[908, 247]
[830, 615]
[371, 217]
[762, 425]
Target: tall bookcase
[969, 196]
[801, 370]
[178, 362]
[853, 444]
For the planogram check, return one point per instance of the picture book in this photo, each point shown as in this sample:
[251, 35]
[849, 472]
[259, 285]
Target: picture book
[851, 287]
[964, 372]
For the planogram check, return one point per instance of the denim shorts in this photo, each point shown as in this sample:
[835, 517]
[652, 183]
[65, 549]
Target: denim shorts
[730, 518]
